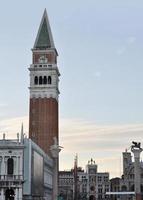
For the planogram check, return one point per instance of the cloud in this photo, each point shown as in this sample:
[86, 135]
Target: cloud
[129, 41]
[3, 105]
[12, 126]
[121, 50]
[97, 74]
[105, 143]
[102, 142]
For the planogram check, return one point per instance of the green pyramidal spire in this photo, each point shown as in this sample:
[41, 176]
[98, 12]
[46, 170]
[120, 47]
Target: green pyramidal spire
[44, 37]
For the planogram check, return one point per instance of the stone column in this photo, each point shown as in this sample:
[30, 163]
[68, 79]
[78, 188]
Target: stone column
[20, 165]
[3, 167]
[16, 167]
[55, 149]
[55, 179]
[16, 194]
[20, 194]
[2, 194]
[137, 172]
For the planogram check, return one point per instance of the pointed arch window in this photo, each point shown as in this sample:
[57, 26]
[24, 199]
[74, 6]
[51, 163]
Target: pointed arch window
[40, 80]
[36, 80]
[10, 166]
[49, 80]
[45, 80]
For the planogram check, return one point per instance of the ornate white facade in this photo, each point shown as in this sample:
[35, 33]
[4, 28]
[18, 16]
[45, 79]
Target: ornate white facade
[26, 172]
[11, 169]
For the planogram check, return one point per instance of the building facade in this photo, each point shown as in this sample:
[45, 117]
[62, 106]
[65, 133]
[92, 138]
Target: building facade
[11, 169]
[66, 184]
[38, 173]
[98, 182]
[91, 184]
[44, 91]
[26, 171]
[115, 187]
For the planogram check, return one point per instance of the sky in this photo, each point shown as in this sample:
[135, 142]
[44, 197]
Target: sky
[100, 46]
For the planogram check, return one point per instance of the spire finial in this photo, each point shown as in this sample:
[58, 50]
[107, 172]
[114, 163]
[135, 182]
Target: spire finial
[3, 136]
[45, 10]
[22, 134]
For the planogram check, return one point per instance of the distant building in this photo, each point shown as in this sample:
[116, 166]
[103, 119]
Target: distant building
[128, 178]
[91, 184]
[26, 172]
[115, 187]
[127, 182]
[66, 184]
[99, 182]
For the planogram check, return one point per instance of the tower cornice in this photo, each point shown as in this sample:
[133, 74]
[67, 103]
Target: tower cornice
[47, 50]
[43, 69]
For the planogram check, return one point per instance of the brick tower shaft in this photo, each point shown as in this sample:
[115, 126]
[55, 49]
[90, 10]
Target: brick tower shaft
[44, 118]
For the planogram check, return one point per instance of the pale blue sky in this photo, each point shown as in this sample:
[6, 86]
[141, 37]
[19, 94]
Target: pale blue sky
[100, 45]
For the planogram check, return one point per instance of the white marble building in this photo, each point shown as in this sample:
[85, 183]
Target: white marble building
[11, 169]
[26, 172]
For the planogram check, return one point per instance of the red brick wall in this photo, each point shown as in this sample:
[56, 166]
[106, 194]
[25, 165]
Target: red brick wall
[43, 122]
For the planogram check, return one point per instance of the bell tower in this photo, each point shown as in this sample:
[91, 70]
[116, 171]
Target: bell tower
[44, 92]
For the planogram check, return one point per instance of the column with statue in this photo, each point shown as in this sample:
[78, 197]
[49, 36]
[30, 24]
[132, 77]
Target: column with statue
[136, 150]
[55, 149]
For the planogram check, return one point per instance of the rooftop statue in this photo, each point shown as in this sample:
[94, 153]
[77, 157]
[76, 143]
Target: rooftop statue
[136, 145]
